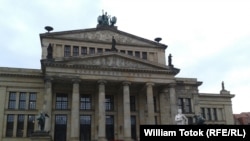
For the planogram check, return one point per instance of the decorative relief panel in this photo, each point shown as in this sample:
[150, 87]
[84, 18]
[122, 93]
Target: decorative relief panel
[113, 61]
[105, 36]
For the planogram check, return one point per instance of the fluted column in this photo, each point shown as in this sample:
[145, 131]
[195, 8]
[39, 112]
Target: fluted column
[101, 114]
[126, 112]
[75, 121]
[47, 107]
[150, 104]
[173, 104]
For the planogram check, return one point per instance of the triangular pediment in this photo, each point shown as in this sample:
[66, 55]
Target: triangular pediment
[113, 60]
[103, 35]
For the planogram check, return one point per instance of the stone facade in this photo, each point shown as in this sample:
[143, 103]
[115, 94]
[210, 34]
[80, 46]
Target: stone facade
[93, 93]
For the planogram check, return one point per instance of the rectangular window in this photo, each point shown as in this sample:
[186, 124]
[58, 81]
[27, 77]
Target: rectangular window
[20, 124]
[84, 51]
[32, 101]
[61, 101]
[137, 54]
[75, 51]
[185, 105]
[110, 134]
[209, 116]
[132, 103]
[60, 131]
[91, 50]
[67, 51]
[12, 100]
[215, 114]
[85, 128]
[107, 50]
[130, 53]
[144, 55]
[22, 100]
[122, 51]
[203, 112]
[155, 105]
[30, 125]
[99, 50]
[10, 125]
[85, 102]
[109, 103]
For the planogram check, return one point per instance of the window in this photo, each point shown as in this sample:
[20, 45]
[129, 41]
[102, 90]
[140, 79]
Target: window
[185, 105]
[130, 53]
[137, 54]
[30, 125]
[99, 50]
[84, 51]
[133, 127]
[75, 51]
[85, 102]
[32, 101]
[122, 51]
[85, 128]
[144, 55]
[61, 101]
[10, 125]
[12, 100]
[203, 112]
[67, 51]
[20, 124]
[155, 106]
[22, 100]
[91, 50]
[215, 114]
[209, 116]
[60, 131]
[132, 103]
[156, 121]
[109, 103]
[107, 50]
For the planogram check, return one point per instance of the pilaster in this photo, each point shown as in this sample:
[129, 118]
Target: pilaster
[173, 103]
[47, 107]
[2, 100]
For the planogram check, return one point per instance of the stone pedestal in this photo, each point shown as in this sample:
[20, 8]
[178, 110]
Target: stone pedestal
[40, 136]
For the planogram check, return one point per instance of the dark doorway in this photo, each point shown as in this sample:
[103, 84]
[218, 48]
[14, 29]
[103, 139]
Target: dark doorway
[85, 128]
[110, 127]
[60, 128]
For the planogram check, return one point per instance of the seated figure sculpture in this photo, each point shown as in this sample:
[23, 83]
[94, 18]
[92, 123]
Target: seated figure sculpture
[180, 118]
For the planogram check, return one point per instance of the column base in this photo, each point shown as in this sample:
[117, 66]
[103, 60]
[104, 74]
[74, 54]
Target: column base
[40, 136]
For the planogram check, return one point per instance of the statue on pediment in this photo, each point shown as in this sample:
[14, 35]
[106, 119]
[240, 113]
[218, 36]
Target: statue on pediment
[106, 20]
[113, 44]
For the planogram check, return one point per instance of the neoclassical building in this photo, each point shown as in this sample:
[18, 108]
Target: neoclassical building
[101, 84]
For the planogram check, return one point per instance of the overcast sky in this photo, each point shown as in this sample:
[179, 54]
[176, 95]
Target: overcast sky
[208, 39]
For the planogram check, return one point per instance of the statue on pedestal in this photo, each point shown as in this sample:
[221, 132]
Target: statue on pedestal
[41, 120]
[180, 118]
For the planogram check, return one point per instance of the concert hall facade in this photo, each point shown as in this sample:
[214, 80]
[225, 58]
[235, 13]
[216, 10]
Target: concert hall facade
[101, 84]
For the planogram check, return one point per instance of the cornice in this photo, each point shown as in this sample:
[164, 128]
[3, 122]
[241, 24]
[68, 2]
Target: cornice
[20, 75]
[172, 71]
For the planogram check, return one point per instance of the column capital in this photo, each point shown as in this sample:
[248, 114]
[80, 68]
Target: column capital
[102, 82]
[150, 84]
[172, 85]
[76, 80]
[48, 79]
[126, 83]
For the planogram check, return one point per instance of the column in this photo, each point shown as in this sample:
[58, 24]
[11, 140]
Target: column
[75, 121]
[173, 104]
[150, 104]
[47, 107]
[126, 112]
[101, 114]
